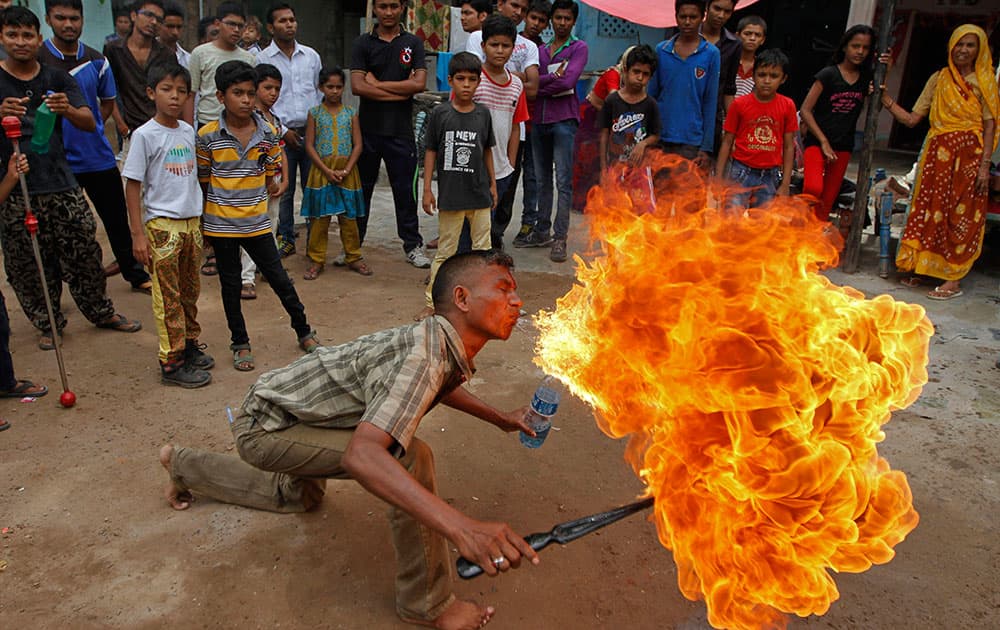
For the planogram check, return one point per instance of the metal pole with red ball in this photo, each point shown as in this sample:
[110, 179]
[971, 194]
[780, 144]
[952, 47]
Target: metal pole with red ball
[12, 129]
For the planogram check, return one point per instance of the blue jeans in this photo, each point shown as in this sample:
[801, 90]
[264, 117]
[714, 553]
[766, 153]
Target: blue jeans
[529, 184]
[759, 185]
[553, 142]
[299, 162]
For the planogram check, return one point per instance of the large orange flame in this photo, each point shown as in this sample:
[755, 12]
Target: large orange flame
[752, 389]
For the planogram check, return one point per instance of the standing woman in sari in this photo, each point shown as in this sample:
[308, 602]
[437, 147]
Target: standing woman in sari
[944, 232]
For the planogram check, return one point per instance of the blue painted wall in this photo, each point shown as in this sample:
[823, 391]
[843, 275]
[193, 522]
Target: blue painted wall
[605, 51]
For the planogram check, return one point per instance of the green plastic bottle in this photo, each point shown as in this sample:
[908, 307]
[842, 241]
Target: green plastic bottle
[45, 123]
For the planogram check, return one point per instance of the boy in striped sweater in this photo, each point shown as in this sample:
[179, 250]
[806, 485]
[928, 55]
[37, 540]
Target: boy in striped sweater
[239, 157]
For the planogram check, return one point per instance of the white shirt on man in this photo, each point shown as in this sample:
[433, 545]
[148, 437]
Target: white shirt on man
[299, 76]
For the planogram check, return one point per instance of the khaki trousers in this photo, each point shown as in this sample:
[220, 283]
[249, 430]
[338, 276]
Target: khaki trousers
[450, 230]
[286, 471]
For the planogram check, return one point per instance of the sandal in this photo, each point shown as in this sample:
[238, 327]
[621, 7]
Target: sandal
[242, 363]
[911, 281]
[46, 342]
[313, 271]
[144, 287]
[120, 323]
[209, 268]
[307, 347]
[248, 292]
[23, 389]
[361, 267]
[945, 294]
[4, 425]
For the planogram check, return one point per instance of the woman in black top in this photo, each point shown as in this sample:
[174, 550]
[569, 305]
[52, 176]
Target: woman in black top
[830, 114]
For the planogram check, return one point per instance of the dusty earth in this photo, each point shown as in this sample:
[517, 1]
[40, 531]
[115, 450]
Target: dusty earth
[88, 541]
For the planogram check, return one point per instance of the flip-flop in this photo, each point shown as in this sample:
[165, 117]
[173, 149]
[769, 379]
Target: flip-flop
[941, 296]
[4, 425]
[248, 292]
[121, 323]
[209, 268]
[21, 390]
[911, 281]
[360, 266]
[144, 287]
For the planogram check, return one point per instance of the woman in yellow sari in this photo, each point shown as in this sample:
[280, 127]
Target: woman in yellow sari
[944, 232]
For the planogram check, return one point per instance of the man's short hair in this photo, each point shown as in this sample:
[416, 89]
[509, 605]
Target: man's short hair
[19, 16]
[138, 4]
[451, 272]
[464, 62]
[565, 5]
[120, 11]
[641, 54]
[203, 25]
[772, 57]
[751, 20]
[230, 8]
[500, 25]
[541, 6]
[72, 4]
[169, 70]
[233, 72]
[479, 6]
[267, 71]
[274, 8]
[699, 4]
[172, 8]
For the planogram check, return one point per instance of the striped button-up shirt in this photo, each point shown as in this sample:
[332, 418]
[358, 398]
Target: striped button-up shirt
[390, 379]
[236, 197]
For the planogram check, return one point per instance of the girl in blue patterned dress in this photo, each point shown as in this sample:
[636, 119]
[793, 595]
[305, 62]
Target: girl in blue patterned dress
[333, 143]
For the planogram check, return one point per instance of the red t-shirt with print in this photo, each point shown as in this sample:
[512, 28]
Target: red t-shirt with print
[760, 129]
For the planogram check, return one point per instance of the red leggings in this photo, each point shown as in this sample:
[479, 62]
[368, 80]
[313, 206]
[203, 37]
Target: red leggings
[823, 179]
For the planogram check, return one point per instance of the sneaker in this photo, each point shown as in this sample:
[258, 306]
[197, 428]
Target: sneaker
[340, 260]
[196, 357]
[558, 253]
[522, 235]
[184, 376]
[535, 239]
[286, 248]
[417, 258]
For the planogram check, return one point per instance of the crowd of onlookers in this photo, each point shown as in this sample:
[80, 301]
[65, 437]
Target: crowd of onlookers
[216, 143]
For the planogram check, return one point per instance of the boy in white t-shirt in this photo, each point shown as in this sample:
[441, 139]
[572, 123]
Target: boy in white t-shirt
[161, 167]
[502, 92]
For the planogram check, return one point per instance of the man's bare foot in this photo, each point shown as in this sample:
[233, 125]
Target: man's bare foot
[426, 312]
[460, 615]
[177, 498]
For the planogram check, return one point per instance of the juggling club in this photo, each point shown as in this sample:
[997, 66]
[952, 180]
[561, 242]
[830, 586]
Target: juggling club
[12, 129]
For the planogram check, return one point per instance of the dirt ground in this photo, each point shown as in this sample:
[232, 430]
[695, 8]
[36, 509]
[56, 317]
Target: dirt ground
[89, 542]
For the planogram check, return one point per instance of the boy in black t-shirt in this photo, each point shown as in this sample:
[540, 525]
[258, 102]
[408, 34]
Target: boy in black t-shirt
[459, 139]
[630, 119]
[66, 226]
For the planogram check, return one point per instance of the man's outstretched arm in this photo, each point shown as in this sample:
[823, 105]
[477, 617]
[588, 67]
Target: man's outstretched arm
[368, 461]
[464, 400]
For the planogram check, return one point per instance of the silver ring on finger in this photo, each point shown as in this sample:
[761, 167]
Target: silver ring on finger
[498, 561]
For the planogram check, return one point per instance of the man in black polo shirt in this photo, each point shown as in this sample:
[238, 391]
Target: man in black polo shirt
[131, 58]
[387, 69]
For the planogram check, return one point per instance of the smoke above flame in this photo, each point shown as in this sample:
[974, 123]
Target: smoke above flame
[752, 390]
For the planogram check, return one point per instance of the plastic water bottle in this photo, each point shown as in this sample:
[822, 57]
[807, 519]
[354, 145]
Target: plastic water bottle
[544, 404]
[45, 122]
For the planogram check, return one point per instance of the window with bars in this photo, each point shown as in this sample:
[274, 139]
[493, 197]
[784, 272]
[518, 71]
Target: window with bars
[615, 28]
